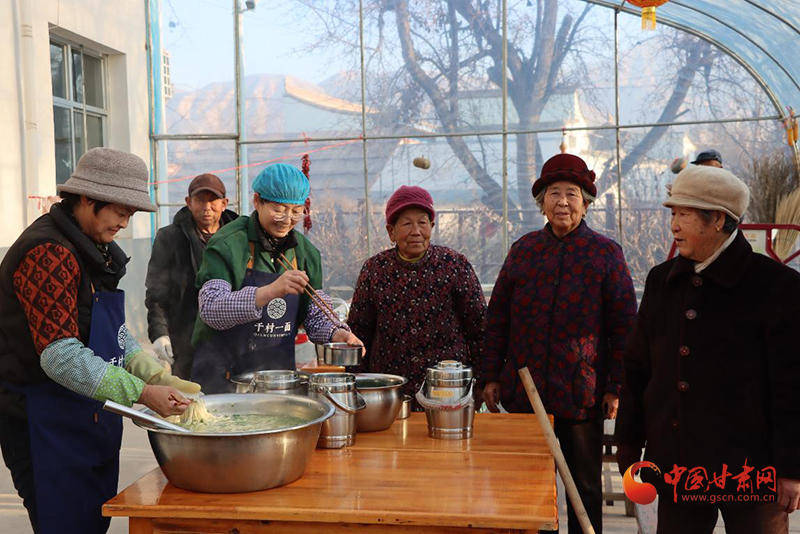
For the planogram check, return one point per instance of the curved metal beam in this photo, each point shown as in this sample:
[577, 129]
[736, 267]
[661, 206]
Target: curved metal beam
[773, 14]
[723, 23]
[682, 27]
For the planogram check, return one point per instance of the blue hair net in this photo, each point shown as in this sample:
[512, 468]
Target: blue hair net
[282, 183]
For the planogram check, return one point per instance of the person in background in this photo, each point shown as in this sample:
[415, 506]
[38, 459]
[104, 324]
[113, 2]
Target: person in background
[562, 306]
[250, 303]
[712, 368]
[709, 158]
[416, 304]
[171, 296]
[64, 348]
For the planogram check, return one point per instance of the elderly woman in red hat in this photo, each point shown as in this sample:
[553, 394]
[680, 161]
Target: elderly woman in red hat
[562, 306]
[416, 303]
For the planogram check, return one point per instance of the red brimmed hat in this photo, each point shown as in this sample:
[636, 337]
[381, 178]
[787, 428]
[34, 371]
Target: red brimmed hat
[408, 196]
[565, 168]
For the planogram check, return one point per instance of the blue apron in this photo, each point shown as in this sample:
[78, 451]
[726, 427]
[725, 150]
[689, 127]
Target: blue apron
[267, 343]
[75, 443]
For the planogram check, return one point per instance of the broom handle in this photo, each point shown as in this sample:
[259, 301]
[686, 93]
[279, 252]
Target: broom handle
[552, 442]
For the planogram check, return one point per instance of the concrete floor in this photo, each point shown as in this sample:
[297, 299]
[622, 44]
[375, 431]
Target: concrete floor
[137, 459]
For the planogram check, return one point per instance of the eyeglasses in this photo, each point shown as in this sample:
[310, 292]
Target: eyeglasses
[281, 213]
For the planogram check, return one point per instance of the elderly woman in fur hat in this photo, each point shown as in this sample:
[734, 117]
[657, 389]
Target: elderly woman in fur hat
[712, 370]
[252, 280]
[562, 306]
[65, 348]
[416, 303]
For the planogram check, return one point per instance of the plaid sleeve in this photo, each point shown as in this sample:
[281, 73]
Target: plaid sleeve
[46, 285]
[319, 327]
[75, 366]
[221, 309]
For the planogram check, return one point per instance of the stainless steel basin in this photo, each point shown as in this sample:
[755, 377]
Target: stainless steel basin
[242, 461]
[382, 395]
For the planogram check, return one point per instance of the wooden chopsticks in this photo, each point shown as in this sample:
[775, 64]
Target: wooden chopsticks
[311, 292]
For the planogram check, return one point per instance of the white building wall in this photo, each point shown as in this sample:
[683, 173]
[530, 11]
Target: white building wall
[115, 28]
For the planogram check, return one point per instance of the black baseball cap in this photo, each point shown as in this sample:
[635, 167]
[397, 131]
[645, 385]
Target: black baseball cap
[708, 155]
[207, 182]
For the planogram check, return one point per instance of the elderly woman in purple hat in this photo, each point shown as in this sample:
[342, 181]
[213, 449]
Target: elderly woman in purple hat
[416, 303]
[562, 306]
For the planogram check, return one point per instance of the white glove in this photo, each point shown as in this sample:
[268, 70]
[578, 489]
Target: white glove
[163, 349]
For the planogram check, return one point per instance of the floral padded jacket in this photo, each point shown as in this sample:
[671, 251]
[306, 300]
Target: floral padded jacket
[412, 315]
[563, 308]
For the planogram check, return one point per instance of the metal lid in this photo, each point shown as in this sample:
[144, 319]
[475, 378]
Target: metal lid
[276, 379]
[332, 381]
[447, 370]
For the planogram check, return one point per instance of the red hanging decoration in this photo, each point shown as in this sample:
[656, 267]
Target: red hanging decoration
[648, 11]
[306, 168]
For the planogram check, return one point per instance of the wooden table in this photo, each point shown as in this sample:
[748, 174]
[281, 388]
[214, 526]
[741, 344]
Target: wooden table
[396, 481]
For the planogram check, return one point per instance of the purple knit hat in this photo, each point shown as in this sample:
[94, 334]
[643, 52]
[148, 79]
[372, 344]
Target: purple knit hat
[408, 196]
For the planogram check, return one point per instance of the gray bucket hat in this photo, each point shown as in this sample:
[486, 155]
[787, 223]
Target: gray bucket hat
[111, 176]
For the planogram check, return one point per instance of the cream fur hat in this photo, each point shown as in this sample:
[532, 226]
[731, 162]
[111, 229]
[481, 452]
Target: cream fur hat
[709, 188]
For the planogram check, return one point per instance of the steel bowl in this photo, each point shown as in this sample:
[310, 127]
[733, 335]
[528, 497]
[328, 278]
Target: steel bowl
[241, 461]
[340, 354]
[384, 400]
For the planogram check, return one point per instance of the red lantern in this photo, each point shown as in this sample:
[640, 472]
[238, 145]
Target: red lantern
[648, 11]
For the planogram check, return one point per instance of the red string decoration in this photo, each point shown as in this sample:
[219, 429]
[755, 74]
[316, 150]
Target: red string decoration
[306, 168]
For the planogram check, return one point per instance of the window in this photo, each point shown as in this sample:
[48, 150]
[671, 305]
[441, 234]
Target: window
[79, 104]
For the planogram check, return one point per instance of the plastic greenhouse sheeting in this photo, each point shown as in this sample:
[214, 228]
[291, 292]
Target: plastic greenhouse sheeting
[761, 34]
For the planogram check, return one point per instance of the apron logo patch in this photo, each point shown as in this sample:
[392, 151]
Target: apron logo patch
[276, 308]
[122, 334]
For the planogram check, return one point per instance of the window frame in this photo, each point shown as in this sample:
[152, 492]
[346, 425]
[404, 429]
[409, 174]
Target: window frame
[74, 106]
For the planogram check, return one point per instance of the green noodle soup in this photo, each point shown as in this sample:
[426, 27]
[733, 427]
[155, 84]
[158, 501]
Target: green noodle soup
[224, 424]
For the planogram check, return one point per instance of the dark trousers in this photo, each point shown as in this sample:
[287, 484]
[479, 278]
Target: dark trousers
[766, 518]
[16, 446]
[582, 445]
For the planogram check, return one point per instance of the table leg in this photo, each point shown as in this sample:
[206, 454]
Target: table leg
[140, 525]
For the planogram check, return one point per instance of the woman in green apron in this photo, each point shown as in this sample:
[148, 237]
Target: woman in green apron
[249, 305]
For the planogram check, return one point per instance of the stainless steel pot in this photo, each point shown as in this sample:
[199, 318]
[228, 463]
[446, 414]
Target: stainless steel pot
[446, 396]
[382, 394]
[280, 381]
[340, 354]
[450, 424]
[449, 379]
[339, 389]
[241, 461]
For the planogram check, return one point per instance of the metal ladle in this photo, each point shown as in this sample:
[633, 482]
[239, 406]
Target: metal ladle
[141, 417]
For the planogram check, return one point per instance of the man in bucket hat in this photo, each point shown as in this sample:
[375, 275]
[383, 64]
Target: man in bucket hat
[64, 348]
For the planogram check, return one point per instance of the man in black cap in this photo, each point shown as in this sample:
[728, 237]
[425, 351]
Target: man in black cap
[709, 158]
[171, 296]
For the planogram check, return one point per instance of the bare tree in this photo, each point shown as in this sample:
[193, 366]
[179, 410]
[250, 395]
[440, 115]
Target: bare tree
[446, 45]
